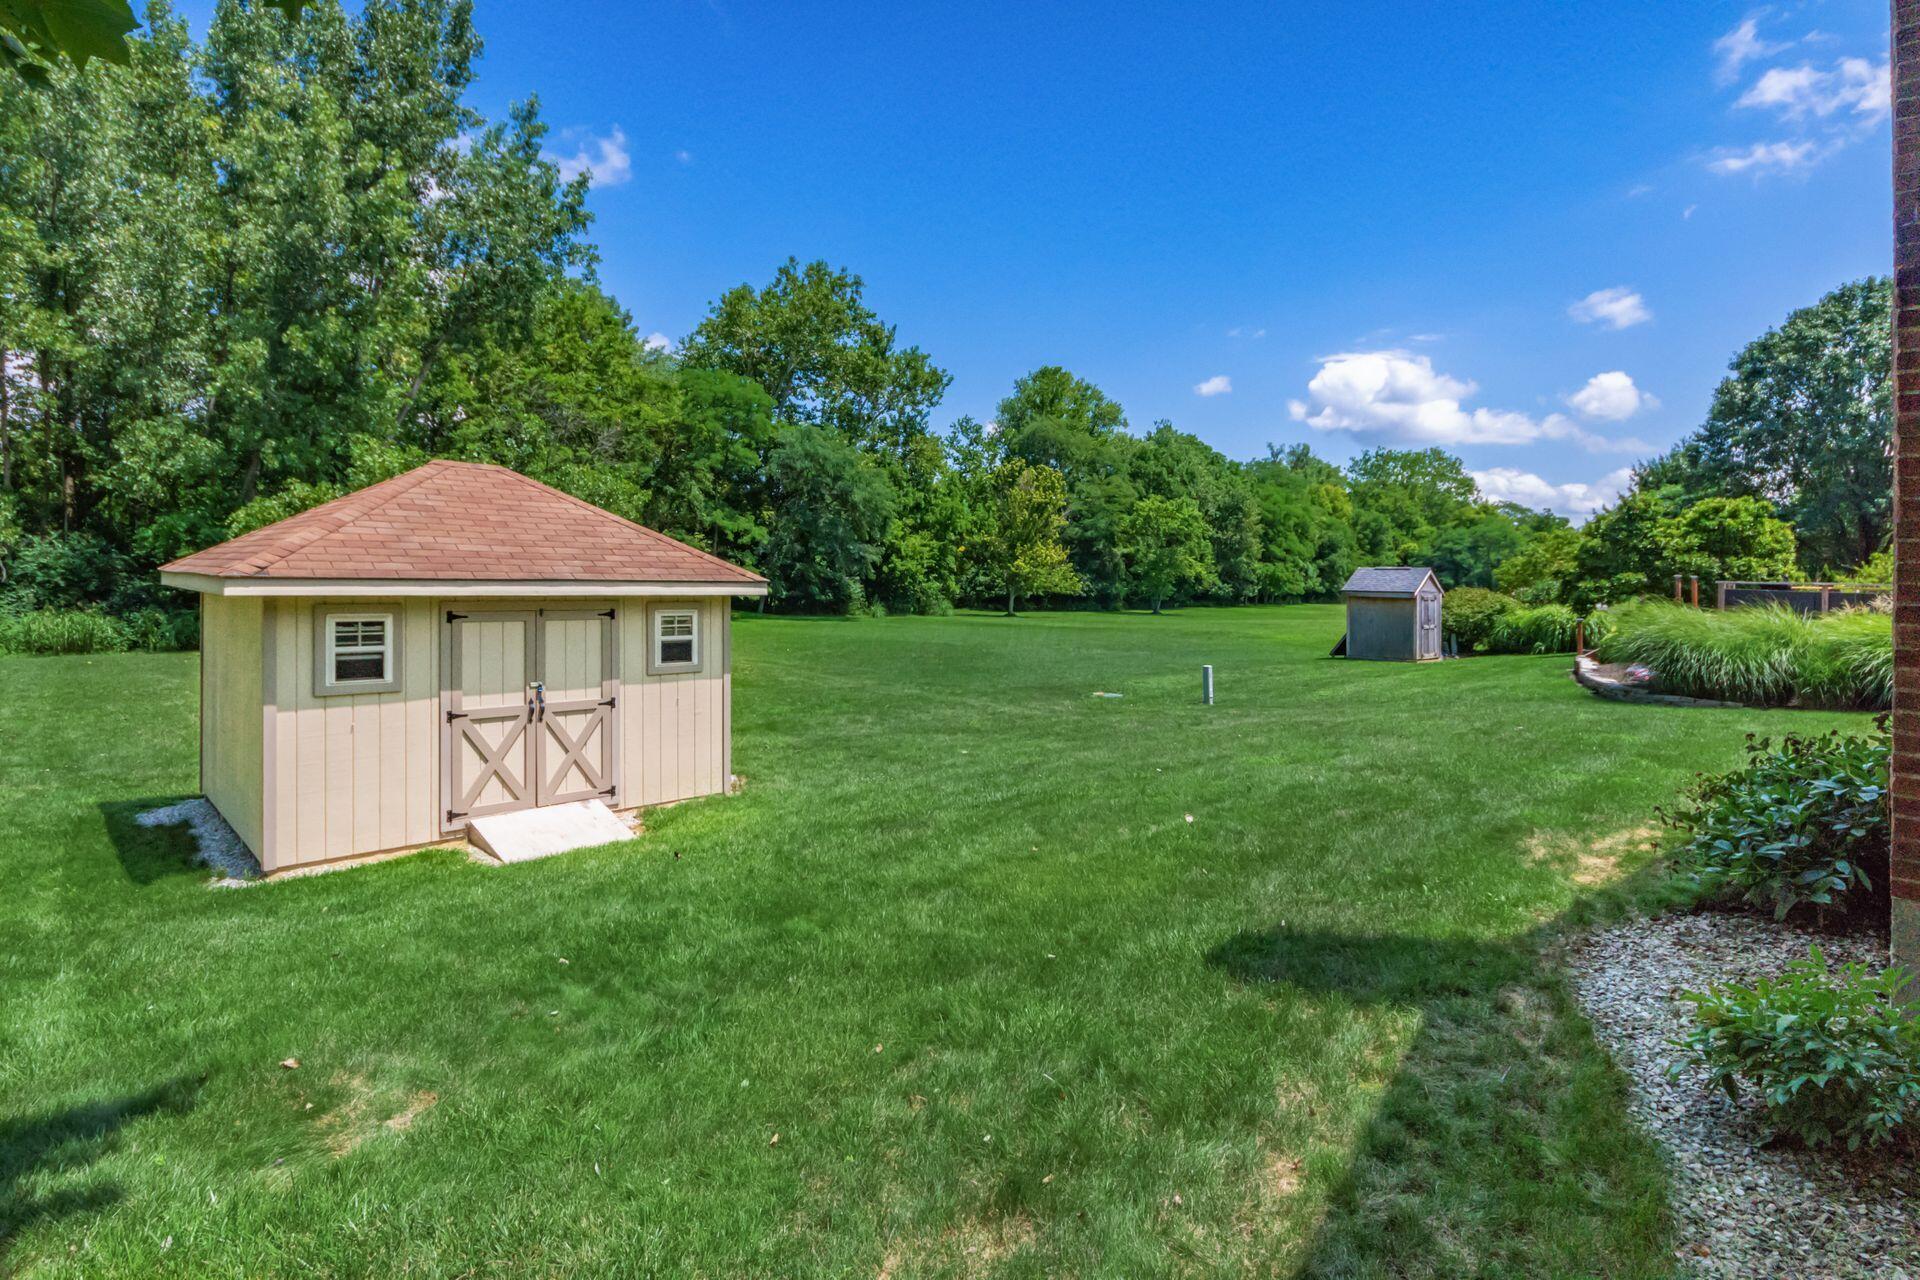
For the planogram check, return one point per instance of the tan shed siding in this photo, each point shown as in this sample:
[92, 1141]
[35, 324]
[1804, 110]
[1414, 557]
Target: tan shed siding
[230, 729]
[676, 727]
[354, 773]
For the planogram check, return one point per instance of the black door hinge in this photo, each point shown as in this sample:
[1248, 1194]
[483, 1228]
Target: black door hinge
[455, 715]
[609, 702]
[451, 815]
[454, 617]
[607, 614]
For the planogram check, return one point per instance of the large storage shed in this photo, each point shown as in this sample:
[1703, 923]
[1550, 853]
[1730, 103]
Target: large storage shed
[457, 641]
[1393, 615]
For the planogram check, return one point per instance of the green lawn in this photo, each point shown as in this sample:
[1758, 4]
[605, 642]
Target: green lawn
[954, 988]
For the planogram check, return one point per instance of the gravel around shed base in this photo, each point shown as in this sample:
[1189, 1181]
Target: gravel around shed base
[216, 843]
[1741, 1208]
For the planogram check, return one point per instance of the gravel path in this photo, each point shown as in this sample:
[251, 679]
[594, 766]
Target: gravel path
[1741, 1209]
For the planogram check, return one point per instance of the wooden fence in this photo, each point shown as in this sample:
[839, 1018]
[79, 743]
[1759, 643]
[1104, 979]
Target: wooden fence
[1801, 597]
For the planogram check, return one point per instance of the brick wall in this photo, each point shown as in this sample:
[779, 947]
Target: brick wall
[1906, 594]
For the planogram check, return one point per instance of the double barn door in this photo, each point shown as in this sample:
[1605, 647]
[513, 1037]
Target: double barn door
[529, 703]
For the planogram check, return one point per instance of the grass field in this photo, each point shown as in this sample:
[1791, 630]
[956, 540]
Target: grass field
[980, 975]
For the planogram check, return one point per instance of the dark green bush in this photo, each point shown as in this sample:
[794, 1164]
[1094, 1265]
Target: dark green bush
[61, 571]
[1468, 614]
[1832, 1056]
[162, 630]
[1804, 822]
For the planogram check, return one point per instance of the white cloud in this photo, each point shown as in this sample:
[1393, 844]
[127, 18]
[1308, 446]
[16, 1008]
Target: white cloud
[606, 160]
[657, 341]
[1401, 395]
[1576, 500]
[1743, 45]
[1763, 158]
[683, 156]
[1246, 331]
[1856, 87]
[1617, 308]
[1611, 397]
[1218, 385]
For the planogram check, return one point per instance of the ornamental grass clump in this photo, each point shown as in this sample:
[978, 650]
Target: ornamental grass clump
[1803, 823]
[1546, 628]
[1831, 1055]
[1766, 655]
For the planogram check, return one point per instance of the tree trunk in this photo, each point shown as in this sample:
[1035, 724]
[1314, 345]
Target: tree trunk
[1010, 602]
[1156, 606]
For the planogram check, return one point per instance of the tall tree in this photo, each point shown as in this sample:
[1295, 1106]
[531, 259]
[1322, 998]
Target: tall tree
[835, 506]
[1804, 419]
[824, 356]
[1022, 549]
[1164, 541]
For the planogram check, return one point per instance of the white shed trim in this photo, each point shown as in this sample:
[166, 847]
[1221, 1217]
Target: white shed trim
[399, 588]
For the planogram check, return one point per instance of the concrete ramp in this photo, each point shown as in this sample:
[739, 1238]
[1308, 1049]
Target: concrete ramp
[527, 834]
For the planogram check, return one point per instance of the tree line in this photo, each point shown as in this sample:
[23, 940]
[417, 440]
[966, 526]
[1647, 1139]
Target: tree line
[244, 275]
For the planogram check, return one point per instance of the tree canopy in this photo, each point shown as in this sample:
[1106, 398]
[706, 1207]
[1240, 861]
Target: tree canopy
[244, 275]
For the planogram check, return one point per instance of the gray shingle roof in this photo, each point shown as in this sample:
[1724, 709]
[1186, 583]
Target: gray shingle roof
[1386, 582]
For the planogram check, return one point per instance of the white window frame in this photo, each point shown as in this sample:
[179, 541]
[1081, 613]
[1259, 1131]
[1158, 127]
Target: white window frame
[325, 652]
[658, 616]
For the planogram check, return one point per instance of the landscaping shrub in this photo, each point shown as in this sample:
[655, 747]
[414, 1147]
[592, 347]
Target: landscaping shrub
[1546, 628]
[58, 631]
[1832, 1056]
[1765, 654]
[1468, 614]
[162, 630]
[1802, 822]
[54, 631]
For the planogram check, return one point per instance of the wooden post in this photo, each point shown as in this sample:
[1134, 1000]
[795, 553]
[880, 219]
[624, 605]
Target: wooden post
[1826, 597]
[1904, 867]
[1679, 596]
[1579, 637]
[1720, 595]
[1696, 590]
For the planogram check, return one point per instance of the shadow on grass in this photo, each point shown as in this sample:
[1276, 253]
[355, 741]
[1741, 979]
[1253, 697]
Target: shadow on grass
[61, 1146]
[148, 854]
[1502, 1146]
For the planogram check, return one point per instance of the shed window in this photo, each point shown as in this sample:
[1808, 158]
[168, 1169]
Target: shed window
[359, 648]
[676, 639]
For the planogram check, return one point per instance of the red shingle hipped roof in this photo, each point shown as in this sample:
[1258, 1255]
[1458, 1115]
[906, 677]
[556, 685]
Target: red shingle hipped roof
[466, 521]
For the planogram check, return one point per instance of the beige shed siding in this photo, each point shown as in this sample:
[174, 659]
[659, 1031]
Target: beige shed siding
[353, 773]
[676, 728]
[231, 728]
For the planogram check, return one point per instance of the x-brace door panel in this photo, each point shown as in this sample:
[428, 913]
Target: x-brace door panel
[488, 758]
[574, 706]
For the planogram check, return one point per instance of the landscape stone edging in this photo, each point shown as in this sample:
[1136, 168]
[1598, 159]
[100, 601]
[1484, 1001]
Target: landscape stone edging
[1587, 672]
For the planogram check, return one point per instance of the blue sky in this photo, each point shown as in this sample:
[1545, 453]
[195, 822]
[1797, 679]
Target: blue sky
[1353, 224]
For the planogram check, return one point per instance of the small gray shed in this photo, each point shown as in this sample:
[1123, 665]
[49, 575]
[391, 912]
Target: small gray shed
[1393, 615]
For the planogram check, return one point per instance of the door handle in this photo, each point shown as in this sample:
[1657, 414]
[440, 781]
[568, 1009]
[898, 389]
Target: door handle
[538, 706]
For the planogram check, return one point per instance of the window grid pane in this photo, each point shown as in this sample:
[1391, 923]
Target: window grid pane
[359, 650]
[673, 639]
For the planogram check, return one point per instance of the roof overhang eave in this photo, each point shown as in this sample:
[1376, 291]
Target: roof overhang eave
[401, 588]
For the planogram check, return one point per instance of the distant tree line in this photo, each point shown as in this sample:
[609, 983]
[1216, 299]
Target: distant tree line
[241, 277]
